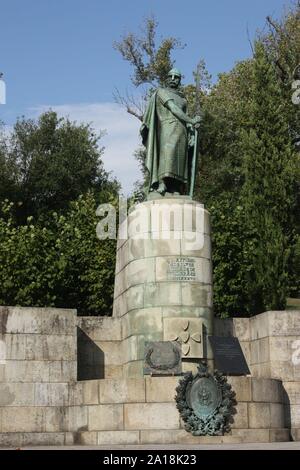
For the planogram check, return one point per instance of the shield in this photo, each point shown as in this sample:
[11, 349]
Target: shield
[204, 397]
[206, 402]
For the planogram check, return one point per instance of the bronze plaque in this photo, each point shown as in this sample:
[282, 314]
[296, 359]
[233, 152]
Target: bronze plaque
[206, 402]
[204, 396]
[162, 358]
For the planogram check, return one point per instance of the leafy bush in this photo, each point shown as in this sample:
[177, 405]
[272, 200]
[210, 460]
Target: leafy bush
[60, 264]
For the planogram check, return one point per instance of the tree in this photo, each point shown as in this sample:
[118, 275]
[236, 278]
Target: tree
[225, 109]
[53, 179]
[249, 121]
[283, 49]
[150, 62]
[270, 161]
[7, 186]
[283, 42]
[60, 263]
[52, 161]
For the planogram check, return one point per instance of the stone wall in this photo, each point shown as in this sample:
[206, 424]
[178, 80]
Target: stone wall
[38, 346]
[141, 411]
[43, 399]
[38, 371]
[271, 344]
[100, 349]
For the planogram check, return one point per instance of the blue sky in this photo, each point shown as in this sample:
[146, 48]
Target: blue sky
[58, 54]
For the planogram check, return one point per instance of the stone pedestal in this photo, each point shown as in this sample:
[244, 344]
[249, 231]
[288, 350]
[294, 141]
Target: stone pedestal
[163, 283]
[42, 403]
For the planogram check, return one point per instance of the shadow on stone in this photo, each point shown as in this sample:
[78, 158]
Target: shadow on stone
[287, 409]
[223, 326]
[90, 358]
[205, 335]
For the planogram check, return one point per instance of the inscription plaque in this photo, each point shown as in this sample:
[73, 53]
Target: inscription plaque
[181, 269]
[162, 358]
[228, 355]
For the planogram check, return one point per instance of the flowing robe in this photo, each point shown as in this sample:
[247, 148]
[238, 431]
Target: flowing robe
[165, 137]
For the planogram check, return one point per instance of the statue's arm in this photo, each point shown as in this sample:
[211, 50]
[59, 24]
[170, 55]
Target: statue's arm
[178, 112]
[182, 116]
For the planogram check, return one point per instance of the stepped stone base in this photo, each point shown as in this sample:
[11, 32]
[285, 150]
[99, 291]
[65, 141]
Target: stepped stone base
[45, 401]
[141, 411]
[139, 437]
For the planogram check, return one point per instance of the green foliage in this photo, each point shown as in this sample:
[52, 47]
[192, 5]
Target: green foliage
[49, 163]
[249, 180]
[270, 161]
[294, 268]
[52, 172]
[61, 264]
[231, 241]
[226, 110]
[282, 42]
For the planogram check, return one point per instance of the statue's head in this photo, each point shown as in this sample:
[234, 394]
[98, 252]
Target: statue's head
[174, 78]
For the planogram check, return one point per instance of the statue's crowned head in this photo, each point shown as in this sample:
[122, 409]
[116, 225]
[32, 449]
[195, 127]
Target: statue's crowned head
[174, 73]
[174, 78]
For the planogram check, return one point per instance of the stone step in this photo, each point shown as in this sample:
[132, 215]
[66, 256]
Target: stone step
[157, 436]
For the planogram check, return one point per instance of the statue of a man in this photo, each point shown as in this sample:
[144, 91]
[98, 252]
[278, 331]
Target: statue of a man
[165, 133]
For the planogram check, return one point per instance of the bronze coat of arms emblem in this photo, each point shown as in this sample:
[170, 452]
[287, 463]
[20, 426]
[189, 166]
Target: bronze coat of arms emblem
[206, 402]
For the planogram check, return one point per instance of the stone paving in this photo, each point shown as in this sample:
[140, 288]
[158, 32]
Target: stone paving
[248, 446]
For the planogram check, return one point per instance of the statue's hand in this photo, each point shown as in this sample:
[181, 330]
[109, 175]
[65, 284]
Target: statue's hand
[191, 141]
[196, 121]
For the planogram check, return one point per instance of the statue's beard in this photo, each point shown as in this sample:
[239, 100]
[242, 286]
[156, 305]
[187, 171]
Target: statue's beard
[172, 84]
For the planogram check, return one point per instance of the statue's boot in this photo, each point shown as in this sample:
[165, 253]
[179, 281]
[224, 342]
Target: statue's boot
[161, 188]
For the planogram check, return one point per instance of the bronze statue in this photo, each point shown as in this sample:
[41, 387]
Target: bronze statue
[167, 132]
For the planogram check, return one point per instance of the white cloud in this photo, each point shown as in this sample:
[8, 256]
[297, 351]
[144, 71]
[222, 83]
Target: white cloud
[7, 130]
[120, 141]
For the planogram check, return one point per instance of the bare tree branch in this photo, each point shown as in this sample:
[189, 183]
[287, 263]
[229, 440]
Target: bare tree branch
[249, 39]
[273, 24]
[133, 105]
[150, 62]
[277, 32]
